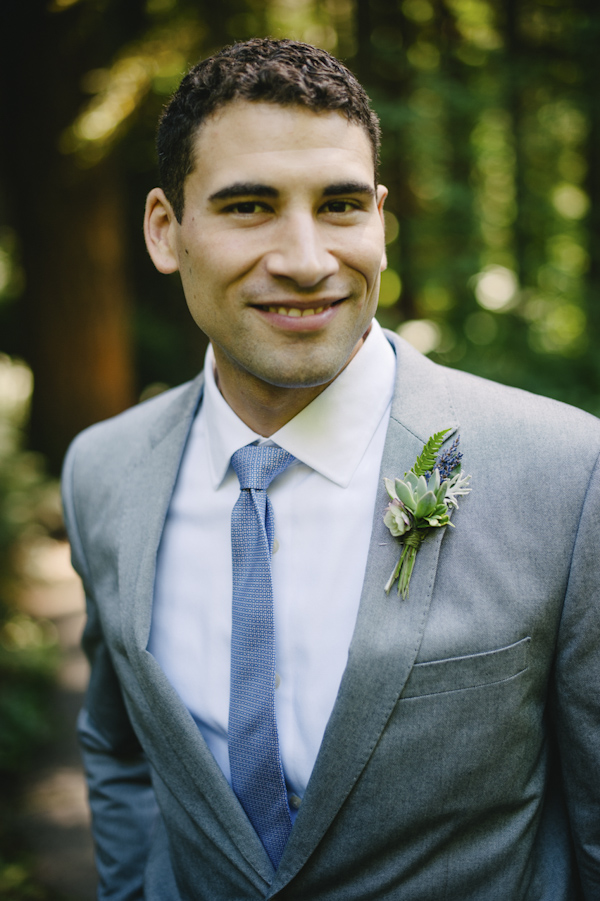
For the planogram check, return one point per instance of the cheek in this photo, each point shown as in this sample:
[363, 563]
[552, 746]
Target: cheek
[202, 274]
[375, 290]
[368, 253]
[226, 259]
[373, 265]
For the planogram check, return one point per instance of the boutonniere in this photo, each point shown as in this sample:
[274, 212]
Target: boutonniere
[422, 501]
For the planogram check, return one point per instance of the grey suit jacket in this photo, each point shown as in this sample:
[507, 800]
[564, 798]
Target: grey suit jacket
[462, 758]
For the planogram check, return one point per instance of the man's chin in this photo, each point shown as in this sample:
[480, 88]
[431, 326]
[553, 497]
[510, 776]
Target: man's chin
[309, 370]
[298, 378]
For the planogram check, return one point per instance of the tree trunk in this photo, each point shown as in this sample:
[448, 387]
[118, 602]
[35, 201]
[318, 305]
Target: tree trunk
[75, 309]
[387, 78]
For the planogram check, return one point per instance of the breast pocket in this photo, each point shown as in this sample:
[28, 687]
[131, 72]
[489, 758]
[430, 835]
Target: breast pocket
[471, 671]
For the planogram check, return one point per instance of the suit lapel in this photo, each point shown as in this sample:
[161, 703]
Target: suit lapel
[150, 484]
[388, 630]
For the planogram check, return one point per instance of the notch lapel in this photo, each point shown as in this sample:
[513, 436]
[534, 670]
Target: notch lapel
[388, 630]
[150, 484]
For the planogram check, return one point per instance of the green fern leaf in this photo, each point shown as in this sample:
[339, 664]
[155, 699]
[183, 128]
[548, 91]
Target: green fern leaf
[426, 460]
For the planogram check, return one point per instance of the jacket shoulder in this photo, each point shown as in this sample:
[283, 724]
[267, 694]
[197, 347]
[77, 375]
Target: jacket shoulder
[525, 438]
[499, 406]
[509, 428]
[481, 403]
[113, 444]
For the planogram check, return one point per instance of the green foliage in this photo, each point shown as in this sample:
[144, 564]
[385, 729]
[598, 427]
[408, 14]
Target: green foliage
[426, 459]
[490, 117]
[17, 883]
[28, 659]
[491, 137]
[27, 646]
[28, 649]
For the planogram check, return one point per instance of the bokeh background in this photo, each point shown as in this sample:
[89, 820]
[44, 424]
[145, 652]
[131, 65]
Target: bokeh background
[491, 119]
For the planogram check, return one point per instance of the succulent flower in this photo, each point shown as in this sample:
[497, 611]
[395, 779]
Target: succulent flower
[396, 518]
[414, 495]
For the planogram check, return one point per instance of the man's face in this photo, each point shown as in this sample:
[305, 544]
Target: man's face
[281, 244]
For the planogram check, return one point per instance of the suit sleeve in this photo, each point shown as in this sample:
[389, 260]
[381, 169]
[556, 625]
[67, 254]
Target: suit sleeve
[121, 797]
[577, 692]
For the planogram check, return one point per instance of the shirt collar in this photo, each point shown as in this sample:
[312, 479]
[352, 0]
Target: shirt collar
[331, 434]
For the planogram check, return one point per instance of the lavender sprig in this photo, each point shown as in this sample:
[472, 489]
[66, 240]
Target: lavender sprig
[447, 462]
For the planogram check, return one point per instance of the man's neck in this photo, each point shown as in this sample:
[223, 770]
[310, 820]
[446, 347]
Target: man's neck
[263, 407]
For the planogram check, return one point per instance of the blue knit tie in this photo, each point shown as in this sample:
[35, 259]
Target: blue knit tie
[256, 770]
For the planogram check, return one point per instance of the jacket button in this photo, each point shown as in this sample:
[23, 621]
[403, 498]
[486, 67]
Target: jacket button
[295, 801]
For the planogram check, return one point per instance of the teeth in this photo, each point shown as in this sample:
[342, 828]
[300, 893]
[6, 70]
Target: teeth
[294, 312]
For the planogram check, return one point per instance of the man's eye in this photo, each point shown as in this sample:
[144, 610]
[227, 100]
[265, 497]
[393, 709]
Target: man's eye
[340, 206]
[247, 207]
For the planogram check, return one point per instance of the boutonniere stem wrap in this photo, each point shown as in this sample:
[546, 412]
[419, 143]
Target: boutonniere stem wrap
[422, 501]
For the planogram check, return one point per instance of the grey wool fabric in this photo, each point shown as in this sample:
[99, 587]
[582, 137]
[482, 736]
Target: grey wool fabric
[462, 758]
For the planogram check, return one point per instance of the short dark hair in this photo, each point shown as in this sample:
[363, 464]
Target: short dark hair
[284, 72]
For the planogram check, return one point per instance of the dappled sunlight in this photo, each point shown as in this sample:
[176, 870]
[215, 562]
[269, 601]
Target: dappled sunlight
[420, 11]
[50, 586]
[475, 20]
[557, 327]
[570, 201]
[391, 288]
[157, 63]
[424, 334]
[496, 288]
[16, 385]
[57, 6]
[60, 797]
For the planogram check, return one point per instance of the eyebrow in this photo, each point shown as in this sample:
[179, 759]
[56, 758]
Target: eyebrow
[252, 189]
[349, 187]
[244, 189]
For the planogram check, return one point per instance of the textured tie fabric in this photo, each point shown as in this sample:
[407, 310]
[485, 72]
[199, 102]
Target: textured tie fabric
[256, 770]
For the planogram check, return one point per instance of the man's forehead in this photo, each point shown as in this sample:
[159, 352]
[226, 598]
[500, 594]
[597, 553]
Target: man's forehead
[240, 129]
[241, 106]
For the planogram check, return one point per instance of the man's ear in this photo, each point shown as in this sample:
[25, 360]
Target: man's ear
[382, 193]
[160, 225]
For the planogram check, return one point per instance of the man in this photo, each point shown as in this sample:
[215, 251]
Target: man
[263, 719]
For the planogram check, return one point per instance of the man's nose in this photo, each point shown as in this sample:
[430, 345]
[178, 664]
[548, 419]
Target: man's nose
[300, 252]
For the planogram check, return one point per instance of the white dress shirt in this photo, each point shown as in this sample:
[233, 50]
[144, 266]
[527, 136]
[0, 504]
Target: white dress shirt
[324, 507]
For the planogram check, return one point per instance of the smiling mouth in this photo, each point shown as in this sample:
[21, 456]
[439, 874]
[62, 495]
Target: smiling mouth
[299, 312]
[295, 312]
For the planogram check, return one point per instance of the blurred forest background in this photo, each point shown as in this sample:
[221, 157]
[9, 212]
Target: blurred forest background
[490, 113]
[491, 119]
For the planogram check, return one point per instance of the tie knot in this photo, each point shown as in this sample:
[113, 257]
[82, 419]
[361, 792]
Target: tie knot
[256, 467]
